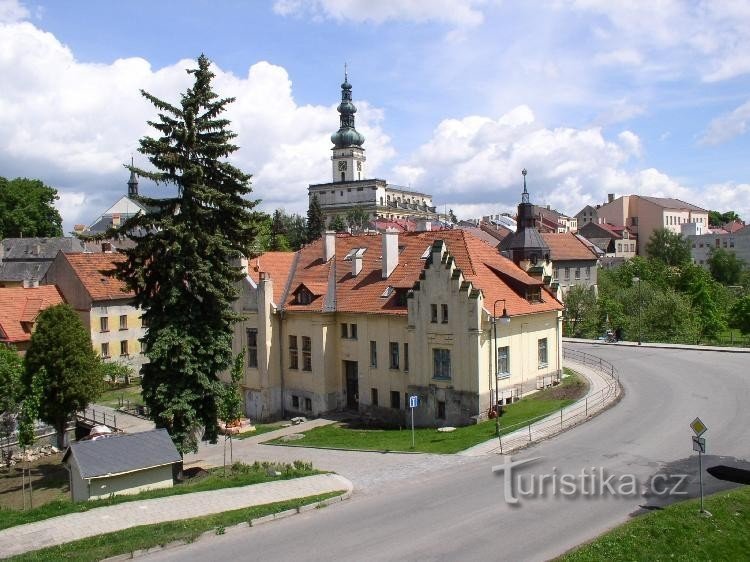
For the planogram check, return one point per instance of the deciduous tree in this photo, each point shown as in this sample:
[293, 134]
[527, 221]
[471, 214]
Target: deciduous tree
[668, 247]
[725, 266]
[185, 264]
[60, 352]
[27, 208]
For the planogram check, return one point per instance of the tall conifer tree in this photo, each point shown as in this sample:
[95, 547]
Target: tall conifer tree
[185, 264]
[315, 222]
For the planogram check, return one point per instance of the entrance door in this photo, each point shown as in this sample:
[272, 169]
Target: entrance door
[352, 385]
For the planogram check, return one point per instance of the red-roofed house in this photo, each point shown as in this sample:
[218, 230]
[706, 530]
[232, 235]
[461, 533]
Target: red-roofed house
[615, 241]
[573, 262]
[102, 302]
[19, 307]
[361, 322]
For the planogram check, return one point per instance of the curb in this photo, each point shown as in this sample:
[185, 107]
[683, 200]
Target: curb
[232, 529]
[678, 346]
[321, 447]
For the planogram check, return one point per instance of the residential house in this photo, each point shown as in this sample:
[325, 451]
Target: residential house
[19, 308]
[550, 220]
[615, 241]
[24, 261]
[589, 214]
[363, 322]
[121, 464]
[103, 303]
[643, 215]
[737, 242]
[573, 261]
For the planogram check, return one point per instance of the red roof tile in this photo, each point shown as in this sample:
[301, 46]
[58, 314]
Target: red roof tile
[22, 305]
[567, 246]
[277, 265]
[479, 262]
[90, 270]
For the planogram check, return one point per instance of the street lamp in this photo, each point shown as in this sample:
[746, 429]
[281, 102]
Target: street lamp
[638, 280]
[505, 319]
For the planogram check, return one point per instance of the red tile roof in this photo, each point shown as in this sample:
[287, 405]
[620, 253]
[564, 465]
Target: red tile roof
[90, 270]
[567, 246]
[277, 265]
[20, 305]
[481, 264]
[734, 226]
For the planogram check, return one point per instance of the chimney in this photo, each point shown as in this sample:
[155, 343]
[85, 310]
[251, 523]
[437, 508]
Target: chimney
[329, 245]
[390, 252]
[424, 226]
[106, 247]
[610, 197]
[36, 249]
[116, 219]
[356, 264]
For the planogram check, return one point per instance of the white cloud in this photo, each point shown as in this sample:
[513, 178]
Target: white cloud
[727, 126]
[12, 11]
[74, 124]
[464, 13]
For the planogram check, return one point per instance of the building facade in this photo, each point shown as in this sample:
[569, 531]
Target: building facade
[103, 304]
[701, 245]
[362, 322]
[351, 188]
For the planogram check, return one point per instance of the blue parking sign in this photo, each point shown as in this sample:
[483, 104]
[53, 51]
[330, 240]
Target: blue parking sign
[413, 401]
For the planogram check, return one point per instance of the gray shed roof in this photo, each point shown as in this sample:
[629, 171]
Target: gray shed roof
[126, 452]
[32, 249]
[22, 271]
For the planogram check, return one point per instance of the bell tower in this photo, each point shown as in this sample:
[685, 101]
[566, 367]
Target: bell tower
[348, 155]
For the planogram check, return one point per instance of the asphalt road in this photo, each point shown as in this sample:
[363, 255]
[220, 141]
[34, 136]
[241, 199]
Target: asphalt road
[459, 512]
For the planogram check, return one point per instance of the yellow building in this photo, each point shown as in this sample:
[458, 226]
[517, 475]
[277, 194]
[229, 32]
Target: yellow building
[103, 303]
[363, 322]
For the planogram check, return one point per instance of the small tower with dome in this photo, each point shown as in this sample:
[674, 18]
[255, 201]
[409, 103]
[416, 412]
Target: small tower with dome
[348, 155]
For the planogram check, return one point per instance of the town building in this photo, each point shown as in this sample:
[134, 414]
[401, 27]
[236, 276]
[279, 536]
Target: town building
[124, 208]
[362, 322]
[24, 261]
[351, 188]
[643, 215]
[573, 262]
[589, 214]
[19, 308]
[737, 242]
[615, 241]
[103, 303]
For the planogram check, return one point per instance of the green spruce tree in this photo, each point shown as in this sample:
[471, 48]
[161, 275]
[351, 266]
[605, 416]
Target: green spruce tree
[315, 221]
[185, 265]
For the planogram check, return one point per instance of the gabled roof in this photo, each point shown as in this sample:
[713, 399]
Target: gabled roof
[670, 203]
[90, 269]
[566, 246]
[33, 249]
[123, 453]
[481, 264]
[604, 229]
[19, 305]
[734, 226]
[278, 266]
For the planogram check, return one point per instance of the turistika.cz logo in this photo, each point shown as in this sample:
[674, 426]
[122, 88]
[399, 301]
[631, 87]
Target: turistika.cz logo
[590, 482]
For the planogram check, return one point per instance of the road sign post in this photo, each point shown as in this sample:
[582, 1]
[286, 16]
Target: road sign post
[413, 403]
[699, 445]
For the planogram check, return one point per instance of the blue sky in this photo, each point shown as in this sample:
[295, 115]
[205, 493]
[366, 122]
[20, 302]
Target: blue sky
[454, 96]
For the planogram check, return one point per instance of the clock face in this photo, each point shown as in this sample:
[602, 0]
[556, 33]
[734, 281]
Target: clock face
[359, 166]
[342, 166]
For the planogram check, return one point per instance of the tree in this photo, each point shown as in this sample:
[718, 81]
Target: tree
[315, 222]
[739, 315]
[230, 405]
[452, 217]
[337, 224]
[707, 313]
[580, 312]
[27, 209]
[725, 266]
[668, 247]
[61, 348]
[278, 241]
[716, 218]
[357, 219]
[113, 371]
[184, 267]
[11, 390]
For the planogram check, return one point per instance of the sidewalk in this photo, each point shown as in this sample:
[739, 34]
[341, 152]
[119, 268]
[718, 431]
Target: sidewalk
[125, 422]
[661, 345]
[600, 395]
[101, 520]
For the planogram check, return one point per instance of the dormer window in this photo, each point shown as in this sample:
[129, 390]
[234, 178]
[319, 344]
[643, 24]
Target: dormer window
[303, 297]
[534, 295]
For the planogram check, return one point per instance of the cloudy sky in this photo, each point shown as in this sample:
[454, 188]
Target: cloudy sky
[455, 97]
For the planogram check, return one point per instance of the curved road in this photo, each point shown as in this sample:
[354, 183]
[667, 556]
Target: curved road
[458, 511]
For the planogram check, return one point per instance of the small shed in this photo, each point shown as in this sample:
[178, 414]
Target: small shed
[126, 463]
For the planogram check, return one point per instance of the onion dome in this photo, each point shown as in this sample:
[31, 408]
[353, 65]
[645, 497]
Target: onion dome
[347, 135]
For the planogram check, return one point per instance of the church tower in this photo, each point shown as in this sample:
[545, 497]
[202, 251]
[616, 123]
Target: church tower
[132, 183]
[348, 155]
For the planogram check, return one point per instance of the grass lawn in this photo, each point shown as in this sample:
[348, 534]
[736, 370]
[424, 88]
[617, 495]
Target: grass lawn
[429, 440]
[147, 536]
[119, 395]
[238, 474]
[678, 533]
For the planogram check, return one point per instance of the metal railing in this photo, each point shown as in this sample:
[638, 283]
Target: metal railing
[550, 424]
[94, 416]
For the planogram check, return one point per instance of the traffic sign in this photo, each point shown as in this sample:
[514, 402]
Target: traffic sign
[413, 401]
[698, 427]
[699, 444]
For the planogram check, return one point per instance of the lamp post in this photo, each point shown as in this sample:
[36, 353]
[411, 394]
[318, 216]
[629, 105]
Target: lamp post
[638, 280]
[505, 319]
